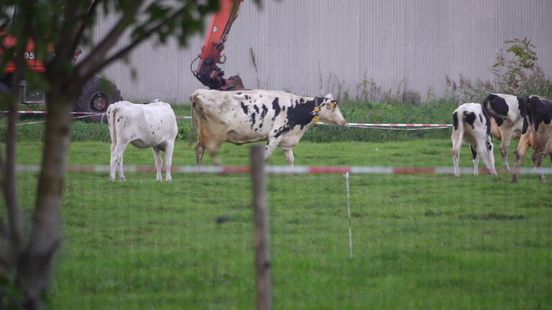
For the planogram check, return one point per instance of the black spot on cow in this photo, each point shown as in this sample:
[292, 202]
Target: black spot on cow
[319, 100]
[264, 111]
[256, 109]
[481, 119]
[469, 117]
[474, 153]
[302, 100]
[487, 122]
[275, 107]
[301, 114]
[247, 97]
[252, 119]
[489, 146]
[522, 106]
[153, 132]
[239, 93]
[297, 115]
[244, 108]
[497, 105]
[539, 111]
[455, 120]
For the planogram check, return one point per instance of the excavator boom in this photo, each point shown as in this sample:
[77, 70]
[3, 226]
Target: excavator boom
[207, 72]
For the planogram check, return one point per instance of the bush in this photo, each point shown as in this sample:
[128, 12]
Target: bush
[516, 72]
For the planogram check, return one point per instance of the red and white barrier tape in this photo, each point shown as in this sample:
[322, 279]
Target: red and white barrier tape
[279, 169]
[390, 126]
[395, 126]
[31, 112]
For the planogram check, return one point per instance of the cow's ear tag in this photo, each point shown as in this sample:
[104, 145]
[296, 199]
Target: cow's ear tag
[315, 113]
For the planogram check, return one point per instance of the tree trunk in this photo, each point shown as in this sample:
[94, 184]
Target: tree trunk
[35, 266]
[9, 190]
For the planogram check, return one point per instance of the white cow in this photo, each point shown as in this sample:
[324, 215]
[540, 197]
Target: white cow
[143, 125]
[247, 116]
[472, 124]
[507, 113]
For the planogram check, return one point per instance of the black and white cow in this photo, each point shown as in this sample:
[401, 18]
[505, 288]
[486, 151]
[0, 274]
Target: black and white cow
[472, 124]
[143, 125]
[537, 134]
[507, 113]
[247, 116]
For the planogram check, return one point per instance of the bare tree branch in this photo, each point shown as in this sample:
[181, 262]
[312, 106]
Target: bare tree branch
[129, 47]
[89, 66]
[84, 21]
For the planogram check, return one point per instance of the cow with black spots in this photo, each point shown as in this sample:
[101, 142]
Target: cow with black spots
[507, 113]
[472, 124]
[246, 116]
[536, 133]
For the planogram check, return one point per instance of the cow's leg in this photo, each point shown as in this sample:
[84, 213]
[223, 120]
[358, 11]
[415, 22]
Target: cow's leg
[113, 162]
[168, 160]
[455, 152]
[117, 160]
[288, 152]
[537, 161]
[504, 145]
[271, 144]
[475, 159]
[519, 153]
[213, 149]
[158, 163]
[200, 150]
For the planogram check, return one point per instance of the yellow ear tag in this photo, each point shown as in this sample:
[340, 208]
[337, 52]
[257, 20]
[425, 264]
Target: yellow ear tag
[315, 112]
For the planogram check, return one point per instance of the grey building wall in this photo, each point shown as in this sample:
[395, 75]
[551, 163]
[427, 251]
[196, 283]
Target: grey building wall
[313, 47]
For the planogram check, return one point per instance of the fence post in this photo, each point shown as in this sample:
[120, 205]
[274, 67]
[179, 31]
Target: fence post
[260, 217]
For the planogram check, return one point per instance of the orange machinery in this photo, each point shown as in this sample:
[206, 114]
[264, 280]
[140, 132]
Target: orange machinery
[207, 72]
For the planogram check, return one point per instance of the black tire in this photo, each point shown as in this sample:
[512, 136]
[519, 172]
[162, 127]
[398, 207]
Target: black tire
[4, 88]
[97, 94]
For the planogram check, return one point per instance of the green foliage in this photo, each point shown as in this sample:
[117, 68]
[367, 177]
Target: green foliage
[516, 71]
[418, 241]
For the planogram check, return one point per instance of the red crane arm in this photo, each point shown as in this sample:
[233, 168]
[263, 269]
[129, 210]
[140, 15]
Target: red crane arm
[208, 73]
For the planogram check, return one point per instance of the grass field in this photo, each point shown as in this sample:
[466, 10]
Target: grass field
[418, 241]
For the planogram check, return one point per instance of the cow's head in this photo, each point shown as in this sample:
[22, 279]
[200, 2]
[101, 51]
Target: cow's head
[328, 111]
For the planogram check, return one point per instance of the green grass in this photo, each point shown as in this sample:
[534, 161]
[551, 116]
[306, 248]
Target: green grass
[418, 241]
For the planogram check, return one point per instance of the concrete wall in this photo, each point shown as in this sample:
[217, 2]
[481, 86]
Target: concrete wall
[313, 47]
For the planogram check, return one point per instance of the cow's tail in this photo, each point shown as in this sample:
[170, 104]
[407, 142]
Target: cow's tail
[456, 137]
[487, 103]
[112, 112]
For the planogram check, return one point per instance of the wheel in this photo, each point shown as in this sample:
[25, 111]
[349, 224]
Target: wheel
[97, 94]
[4, 88]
